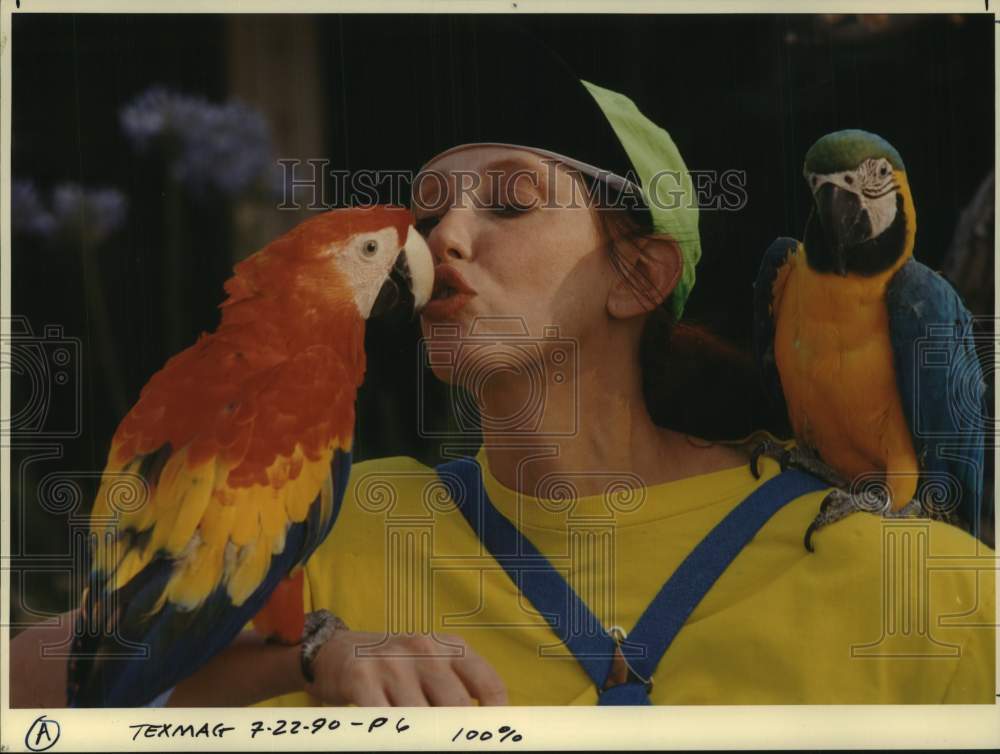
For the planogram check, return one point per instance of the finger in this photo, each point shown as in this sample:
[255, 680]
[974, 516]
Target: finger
[481, 680]
[406, 692]
[371, 696]
[443, 687]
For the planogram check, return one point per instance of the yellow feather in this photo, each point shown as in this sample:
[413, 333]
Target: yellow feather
[123, 486]
[246, 527]
[107, 550]
[250, 569]
[167, 493]
[223, 494]
[142, 518]
[273, 521]
[297, 504]
[132, 562]
[173, 479]
[217, 523]
[111, 489]
[298, 489]
[162, 527]
[326, 499]
[309, 483]
[101, 508]
[196, 577]
[195, 496]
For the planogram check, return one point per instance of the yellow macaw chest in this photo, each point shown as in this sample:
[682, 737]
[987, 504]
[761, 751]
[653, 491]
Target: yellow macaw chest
[837, 372]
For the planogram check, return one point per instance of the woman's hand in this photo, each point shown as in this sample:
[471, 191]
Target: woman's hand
[36, 680]
[408, 670]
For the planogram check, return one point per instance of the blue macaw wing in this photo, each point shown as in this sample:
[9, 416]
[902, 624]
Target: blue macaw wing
[775, 258]
[942, 389]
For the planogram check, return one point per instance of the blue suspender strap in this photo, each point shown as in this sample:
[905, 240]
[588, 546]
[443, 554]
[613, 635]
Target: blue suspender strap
[666, 614]
[653, 633]
[546, 589]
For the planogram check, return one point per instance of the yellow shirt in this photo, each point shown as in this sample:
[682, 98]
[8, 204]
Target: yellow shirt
[882, 612]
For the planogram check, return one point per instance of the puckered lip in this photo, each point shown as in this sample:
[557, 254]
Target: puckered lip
[449, 281]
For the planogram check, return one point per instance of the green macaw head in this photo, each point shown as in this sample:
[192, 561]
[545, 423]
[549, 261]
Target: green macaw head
[859, 221]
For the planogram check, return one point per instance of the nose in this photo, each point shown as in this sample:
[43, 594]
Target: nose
[451, 238]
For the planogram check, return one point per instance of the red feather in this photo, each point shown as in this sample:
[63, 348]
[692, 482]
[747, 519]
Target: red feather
[283, 617]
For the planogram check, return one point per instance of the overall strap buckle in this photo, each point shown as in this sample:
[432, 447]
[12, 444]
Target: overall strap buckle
[621, 670]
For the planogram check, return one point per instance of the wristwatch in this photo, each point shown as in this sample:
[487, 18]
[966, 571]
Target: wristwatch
[320, 626]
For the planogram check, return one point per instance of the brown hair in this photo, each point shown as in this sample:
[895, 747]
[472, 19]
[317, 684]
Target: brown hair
[693, 380]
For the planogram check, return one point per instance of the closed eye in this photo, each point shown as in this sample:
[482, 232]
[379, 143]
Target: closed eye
[510, 209]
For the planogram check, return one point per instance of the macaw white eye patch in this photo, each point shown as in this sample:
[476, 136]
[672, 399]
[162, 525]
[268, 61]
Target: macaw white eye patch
[365, 264]
[881, 211]
[876, 178]
[875, 185]
[878, 193]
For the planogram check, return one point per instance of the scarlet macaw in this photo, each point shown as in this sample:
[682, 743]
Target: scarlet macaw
[239, 449]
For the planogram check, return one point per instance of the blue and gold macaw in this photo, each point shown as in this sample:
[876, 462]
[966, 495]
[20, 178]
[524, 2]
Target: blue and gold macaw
[871, 351]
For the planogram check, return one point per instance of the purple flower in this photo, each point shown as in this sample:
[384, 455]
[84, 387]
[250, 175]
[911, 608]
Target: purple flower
[28, 214]
[146, 118]
[90, 214]
[211, 148]
[77, 213]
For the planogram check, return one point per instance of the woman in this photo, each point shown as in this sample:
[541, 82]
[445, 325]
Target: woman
[542, 292]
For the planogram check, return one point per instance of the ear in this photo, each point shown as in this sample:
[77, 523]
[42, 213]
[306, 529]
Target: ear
[651, 273]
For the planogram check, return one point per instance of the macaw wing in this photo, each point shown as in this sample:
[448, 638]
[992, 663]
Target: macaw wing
[174, 579]
[941, 387]
[768, 289]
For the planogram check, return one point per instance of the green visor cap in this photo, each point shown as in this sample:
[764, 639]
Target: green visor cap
[666, 183]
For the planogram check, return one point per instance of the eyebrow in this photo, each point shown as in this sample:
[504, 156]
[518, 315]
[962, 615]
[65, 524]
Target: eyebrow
[509, 165]
[514, 165]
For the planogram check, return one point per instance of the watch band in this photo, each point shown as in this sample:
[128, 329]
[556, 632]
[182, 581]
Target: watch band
[320, 626]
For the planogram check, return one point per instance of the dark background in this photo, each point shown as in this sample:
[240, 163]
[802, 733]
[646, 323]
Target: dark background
[748, 93]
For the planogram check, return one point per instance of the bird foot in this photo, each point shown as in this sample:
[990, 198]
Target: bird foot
[796, 458]
[839, 504]
[912, 509]
[771, 450]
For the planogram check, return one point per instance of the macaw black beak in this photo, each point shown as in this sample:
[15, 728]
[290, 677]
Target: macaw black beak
[411, 279]
[397, 288]
[845, 223]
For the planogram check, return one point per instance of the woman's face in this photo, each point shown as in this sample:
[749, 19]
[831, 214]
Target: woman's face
[513, 237]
